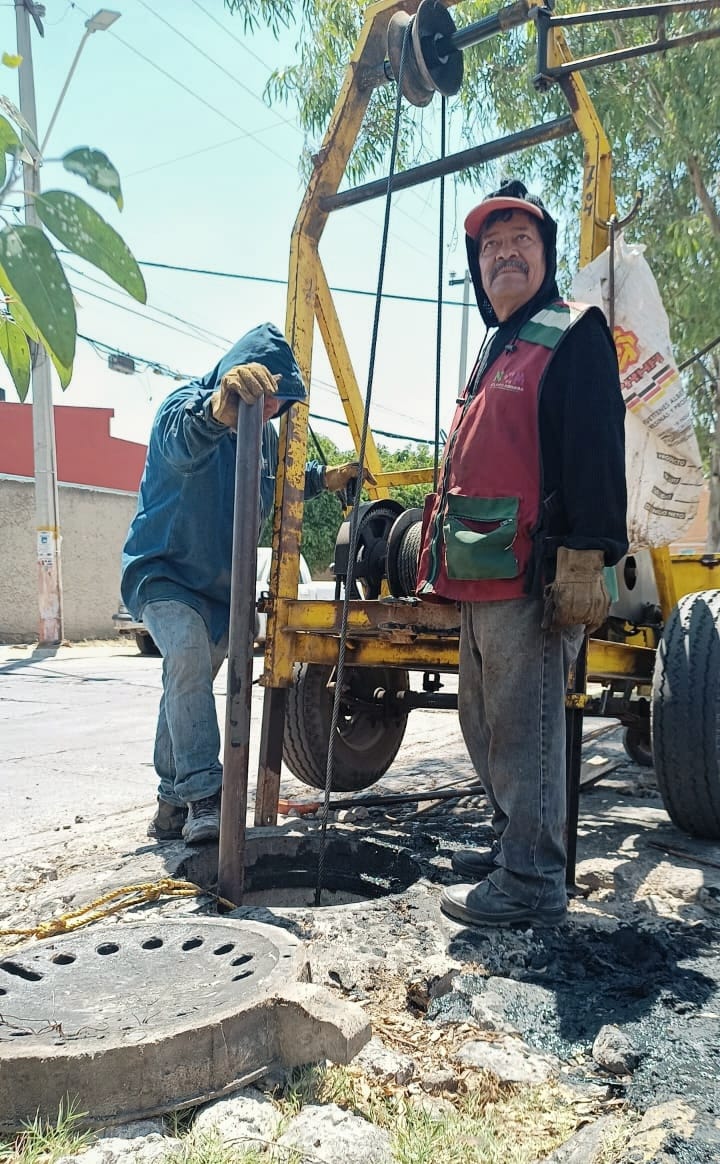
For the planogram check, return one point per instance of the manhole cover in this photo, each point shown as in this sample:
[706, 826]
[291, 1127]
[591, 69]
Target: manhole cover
[140, 1017]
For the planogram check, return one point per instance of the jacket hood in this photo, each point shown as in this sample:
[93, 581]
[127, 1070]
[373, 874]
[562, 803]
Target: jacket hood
[511, 195]
[265, 344]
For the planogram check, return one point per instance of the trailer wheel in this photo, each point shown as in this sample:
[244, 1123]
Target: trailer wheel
[368, 739]
[686, 715]
[636, 742]
[146, 644]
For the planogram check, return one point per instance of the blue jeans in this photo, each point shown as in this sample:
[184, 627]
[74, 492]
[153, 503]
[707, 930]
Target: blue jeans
[187, 741]
[512, 682]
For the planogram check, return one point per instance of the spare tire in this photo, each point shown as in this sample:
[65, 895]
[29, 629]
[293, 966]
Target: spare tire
[368, 737]
[686, 715]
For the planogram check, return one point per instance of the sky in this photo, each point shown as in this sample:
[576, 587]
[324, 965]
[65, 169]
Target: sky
[173, 94]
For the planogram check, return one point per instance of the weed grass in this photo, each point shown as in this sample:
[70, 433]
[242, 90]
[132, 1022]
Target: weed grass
[41, 1142]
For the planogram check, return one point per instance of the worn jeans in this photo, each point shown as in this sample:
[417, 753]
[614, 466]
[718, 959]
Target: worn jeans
[187, 741]
[512, 682]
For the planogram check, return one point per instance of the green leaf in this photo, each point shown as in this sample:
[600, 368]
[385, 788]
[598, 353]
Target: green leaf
[82, 229]
[31, 274]
[16, 309]
[9, 144]
[15, 115]
[16, 354]
[97, 170]
[64, 373]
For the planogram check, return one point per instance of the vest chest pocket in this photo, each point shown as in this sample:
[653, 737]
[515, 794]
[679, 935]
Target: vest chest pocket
[479, 537]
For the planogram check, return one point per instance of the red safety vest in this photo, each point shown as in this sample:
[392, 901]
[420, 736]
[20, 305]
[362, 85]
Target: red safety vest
[478, 528]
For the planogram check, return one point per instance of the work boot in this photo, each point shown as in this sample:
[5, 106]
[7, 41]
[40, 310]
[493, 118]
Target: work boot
[167, 824]
[203, 820]
[485, 905]
[474, 864]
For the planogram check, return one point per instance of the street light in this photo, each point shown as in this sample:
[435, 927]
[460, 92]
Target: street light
[462, 371]
[97, 23]
[45, 456]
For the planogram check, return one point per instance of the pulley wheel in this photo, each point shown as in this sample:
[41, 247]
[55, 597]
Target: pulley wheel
[403, 552]
[375, 520]
[415, 88]
[439, 65]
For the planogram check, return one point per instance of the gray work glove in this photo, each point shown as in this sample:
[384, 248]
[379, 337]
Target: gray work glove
[246, 383]
[578, 594]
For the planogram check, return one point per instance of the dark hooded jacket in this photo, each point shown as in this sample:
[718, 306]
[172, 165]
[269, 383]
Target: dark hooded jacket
[581, 418]
[179, 545]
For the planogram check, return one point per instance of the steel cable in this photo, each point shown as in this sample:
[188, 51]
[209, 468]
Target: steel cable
[354, 516]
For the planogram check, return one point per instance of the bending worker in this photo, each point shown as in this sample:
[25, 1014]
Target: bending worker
[530, 508]
[177, 559]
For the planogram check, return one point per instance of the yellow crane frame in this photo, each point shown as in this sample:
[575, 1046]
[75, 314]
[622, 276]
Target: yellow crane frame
[382, 632]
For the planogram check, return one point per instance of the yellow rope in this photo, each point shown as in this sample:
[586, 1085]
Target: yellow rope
[113, 902]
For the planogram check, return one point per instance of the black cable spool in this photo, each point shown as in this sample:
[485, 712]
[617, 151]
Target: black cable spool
[403, 551]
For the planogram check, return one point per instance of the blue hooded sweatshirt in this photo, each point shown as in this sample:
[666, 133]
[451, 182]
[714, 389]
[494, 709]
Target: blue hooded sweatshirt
[179, 545]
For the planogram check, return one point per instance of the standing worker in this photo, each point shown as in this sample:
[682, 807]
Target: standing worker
[530, 509]
[177, 559]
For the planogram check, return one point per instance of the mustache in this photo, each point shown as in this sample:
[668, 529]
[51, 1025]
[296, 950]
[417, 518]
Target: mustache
[508, 265]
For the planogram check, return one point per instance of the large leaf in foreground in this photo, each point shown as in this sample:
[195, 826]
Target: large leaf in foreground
[16, 354]
[30, 273]
[86, 233]
[9, 144]
[97, 170]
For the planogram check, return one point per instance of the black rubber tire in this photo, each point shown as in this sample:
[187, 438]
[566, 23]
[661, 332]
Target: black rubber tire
[686, 715]
[636, 742]
[365, 747]
[146, 644]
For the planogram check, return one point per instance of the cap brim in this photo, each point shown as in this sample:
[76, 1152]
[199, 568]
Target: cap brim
[478, 216]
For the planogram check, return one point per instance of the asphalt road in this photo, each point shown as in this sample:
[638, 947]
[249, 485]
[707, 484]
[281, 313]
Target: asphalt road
[77, 728]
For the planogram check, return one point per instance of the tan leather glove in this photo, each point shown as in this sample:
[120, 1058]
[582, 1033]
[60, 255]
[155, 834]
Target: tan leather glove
[578, 594]
[337, 476]
[246, 383]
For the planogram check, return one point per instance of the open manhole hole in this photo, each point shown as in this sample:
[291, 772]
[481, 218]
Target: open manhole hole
[281, 869]
[141, 1017]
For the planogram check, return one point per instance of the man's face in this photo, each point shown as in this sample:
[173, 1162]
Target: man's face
[271, 407]
[512, 262]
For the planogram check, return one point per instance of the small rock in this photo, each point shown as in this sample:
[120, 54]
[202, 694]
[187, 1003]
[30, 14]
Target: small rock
[383, 1064]
[140, 1150]
[432, 979]
[351, 815]
[329, 1134]
[585, 1146]
[432, 1105]
[435, 1082]
[614, 1052]
[248, 1118]
[133, 1130]
[511, 1060]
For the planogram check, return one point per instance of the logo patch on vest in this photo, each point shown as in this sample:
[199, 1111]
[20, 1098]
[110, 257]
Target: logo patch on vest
[512, 380]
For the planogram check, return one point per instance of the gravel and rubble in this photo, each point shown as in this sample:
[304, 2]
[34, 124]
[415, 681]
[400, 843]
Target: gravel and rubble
[616, 1014]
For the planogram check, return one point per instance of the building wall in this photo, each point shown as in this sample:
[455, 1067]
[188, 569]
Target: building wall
[93, 524]
[86, 452]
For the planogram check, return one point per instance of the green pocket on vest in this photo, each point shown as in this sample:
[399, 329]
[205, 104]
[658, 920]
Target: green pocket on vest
[479, 537]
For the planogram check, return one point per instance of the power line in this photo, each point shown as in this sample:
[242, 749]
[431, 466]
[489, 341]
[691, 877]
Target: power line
[699, 355]
[213, 60]
[104, 350]
[283, 282]
[198, 328]
[170, 76]
[132, 311]
[376, 431]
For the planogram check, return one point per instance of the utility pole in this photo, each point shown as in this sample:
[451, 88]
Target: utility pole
[47, 523]
[462, 370]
